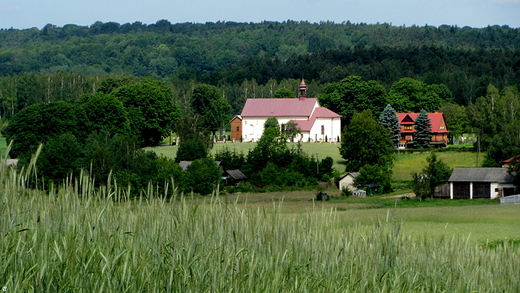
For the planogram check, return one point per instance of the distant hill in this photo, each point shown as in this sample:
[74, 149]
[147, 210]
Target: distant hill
[229, 53]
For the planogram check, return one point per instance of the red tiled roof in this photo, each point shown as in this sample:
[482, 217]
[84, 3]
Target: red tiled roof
[321, 112]
[289, 107]
[436, 120]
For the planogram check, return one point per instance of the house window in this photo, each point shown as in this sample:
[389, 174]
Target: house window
[322, 130]
[408, 127]
[442, 127]
[238, 128]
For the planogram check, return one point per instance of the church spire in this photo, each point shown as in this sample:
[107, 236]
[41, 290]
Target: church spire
[302, 92]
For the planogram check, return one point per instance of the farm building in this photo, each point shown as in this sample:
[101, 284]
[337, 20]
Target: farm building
[480, 183]
[347, 181]
[438, 128]
[316, 123]
[233, 177]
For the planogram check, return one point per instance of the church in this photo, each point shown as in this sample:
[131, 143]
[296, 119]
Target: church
[317, 124]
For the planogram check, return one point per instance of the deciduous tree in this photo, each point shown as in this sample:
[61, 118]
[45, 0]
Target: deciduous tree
[366, 142]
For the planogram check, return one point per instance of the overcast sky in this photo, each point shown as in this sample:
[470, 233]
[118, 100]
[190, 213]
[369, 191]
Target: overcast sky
[474, 13]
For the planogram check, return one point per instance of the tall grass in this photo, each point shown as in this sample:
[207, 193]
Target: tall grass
[75, 238]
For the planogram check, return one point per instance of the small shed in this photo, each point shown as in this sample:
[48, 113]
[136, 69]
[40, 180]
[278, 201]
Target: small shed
[480, 183]
[233, 177]
[347, 181]
[359, 193]
[236, 128]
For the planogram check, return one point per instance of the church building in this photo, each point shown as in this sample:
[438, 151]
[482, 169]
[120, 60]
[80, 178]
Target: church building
[317, 124]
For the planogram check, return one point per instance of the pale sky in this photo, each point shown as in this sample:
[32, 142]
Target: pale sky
[474, 13]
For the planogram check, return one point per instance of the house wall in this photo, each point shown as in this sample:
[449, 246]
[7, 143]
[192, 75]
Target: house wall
[326, 130]
[253, 127]
[347, 182]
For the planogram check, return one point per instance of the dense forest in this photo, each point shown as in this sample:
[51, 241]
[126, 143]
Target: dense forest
[252, 59]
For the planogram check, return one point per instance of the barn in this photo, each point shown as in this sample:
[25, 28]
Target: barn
[480, 183]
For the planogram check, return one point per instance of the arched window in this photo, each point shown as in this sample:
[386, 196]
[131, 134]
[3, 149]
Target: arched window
[322, 130]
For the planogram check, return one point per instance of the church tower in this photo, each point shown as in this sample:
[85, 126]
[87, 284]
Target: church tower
[302, 92]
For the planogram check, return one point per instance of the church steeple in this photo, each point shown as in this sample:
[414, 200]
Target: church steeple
[302, 92]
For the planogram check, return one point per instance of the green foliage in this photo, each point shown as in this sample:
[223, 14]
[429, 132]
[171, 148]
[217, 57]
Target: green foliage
[190, 150]
[60, 158]
[495, 118]
[283, 93]
[434, 174]
[456, 120]
[151, 112]
[389, 120]
[104, 112]
[37, 124]
[365, 142]
[202, 176]
[375, 174]
[291, 130]
[410, 95]
[353, 95]
[230, 159]
[423, 134]
[271, 122]
[214, 110]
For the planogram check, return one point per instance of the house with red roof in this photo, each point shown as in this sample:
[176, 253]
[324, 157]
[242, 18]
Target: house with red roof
[439, 129]
[316, 123]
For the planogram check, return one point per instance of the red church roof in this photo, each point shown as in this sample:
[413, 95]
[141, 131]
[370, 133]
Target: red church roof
[321, 112]
[288, 107]
[436, 119]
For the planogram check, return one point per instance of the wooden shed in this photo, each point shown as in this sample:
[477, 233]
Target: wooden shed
[236, 128]
[480, 183]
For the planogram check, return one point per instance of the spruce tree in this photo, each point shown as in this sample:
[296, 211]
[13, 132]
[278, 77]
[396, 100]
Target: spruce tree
[389, 120]
[423, 134]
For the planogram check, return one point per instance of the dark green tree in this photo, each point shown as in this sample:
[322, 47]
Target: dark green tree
[410, 95]
[423, 134]
[195, 139]
[456, 120]
[284, 93]
[434, 174]
[190, 150]
[353, 95]
[151, 111]
[366, 142]
[291, 130]
[37, 124]
[377, 175]
[203, 176]
[60, 157]
[104, 112]
[389, 120]
[207, 101]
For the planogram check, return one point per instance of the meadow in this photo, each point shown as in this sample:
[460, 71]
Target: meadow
[77, 238]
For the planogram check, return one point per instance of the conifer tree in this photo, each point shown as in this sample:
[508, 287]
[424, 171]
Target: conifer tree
[423, 134]
[389, 120]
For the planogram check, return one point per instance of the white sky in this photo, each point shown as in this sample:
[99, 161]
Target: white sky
[474, 13]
